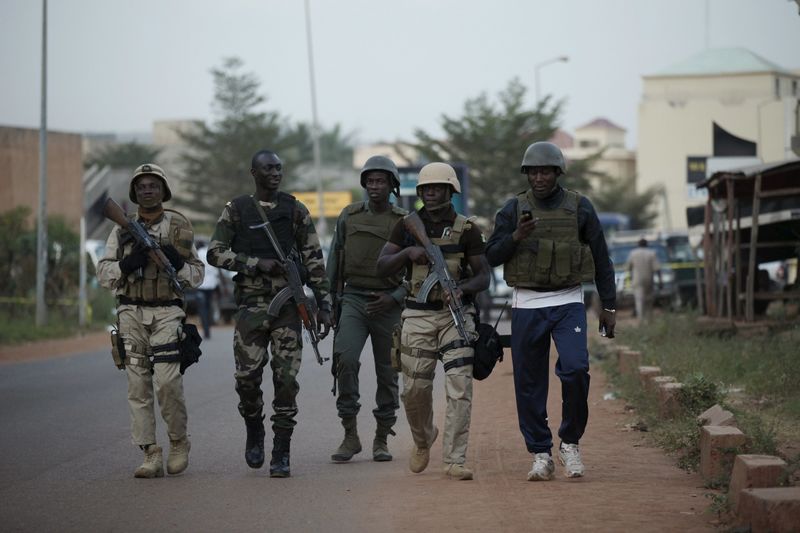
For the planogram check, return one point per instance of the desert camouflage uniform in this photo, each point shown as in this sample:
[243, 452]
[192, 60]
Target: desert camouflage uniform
[255, 331]
[144, 326]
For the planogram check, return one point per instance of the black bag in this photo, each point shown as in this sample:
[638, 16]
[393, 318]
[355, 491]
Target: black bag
[488, 350]
[189, 346]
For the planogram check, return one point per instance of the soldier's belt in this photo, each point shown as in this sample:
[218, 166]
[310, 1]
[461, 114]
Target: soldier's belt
[124, 300]
[349, 288]
[412, 303]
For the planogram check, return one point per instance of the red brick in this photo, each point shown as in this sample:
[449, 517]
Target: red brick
[776, 510]
[647, 372]
[716, 416]
[656, 381]
[629, 361]
[668, 404]
[753, 472]
[718, 447]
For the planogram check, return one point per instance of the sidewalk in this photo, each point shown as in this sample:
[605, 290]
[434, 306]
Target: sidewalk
[628, 486]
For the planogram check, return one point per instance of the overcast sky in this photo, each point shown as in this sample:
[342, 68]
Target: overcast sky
[383, 68]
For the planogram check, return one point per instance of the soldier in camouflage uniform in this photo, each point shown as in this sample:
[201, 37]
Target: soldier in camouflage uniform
[429, 332]
[236, 245]
[150, 317]
[370, 305]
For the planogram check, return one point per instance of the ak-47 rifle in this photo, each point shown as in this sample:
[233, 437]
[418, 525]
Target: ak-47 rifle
[115, 213]
[306, 307]
[337, 311]
[439, 274]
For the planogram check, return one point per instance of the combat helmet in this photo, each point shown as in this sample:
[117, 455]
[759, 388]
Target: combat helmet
[543, 154]
[438, 173]
[379, 162]
[149, 169]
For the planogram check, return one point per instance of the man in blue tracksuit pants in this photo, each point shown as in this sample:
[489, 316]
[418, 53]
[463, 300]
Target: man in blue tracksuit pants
[549, 240]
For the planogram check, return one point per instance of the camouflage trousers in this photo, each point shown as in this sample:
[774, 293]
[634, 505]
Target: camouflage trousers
[424, 334]
[142, 328]
[351, 335]
[253, 336]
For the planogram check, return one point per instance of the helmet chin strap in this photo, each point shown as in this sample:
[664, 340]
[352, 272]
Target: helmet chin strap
[438, 207]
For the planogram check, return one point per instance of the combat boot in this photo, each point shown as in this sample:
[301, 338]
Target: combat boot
[254, 448]
[351, 444]
[420, 456]
[153, 465]
[178, 458]
[380, 449]
[279, 465]
[457, 471]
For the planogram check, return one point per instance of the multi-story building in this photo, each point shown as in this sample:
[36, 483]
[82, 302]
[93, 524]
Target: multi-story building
[616, 161]
[719, 109]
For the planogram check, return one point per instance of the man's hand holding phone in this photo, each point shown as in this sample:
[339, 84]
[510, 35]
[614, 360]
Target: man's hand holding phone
[526, 225]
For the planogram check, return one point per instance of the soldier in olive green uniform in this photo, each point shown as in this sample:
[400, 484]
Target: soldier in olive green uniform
[429, 332]
[370, 305]
[240, 245]
[150, 316]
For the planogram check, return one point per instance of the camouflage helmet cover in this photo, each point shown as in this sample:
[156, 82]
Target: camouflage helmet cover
[543, 154]
[149, 169]
[379, 162]
[439, 173]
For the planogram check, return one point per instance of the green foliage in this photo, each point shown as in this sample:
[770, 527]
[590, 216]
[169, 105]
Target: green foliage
[124, 155]
[619, 196]
[217, 162]
[491, 138]
[698, 394]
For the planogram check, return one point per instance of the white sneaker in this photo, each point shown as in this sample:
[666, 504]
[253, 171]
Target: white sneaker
[543, 468]
[570, 456]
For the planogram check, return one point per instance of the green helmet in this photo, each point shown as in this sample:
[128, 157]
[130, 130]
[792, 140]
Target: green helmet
[149, 169]
[438, 173]
[379, 162]
[543, 154]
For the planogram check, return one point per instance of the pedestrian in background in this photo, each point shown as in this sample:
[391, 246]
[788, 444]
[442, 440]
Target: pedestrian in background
[549, 240]
[150, 315]
[207, 291]
[240, 244]
[643, 266]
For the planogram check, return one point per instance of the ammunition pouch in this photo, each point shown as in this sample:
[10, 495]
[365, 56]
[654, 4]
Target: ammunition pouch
[488, 350]
[397, 365]
[117, 348]
[189, 346]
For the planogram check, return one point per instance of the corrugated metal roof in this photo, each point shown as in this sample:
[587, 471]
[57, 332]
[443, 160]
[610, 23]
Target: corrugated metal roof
[749, 171]
[715, 61]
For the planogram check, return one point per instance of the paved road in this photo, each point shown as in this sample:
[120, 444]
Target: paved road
[66, 460]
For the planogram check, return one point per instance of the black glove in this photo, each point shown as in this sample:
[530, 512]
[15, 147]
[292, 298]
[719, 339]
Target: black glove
[174, 256]
[136, 259]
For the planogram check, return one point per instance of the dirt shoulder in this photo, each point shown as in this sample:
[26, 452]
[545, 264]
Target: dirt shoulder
[39, 350]
[628, 486]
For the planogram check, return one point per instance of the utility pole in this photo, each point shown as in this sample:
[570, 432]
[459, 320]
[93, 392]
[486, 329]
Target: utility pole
[322, 225]
[41, 218]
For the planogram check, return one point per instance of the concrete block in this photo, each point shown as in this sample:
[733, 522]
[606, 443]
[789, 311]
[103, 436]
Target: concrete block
[647, 372]
[776, 510]
[716, 416]
[718, 447]
[656, 381]
[668, 404]
[629, 361]
[754, 472]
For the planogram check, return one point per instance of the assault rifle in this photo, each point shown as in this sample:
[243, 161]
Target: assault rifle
[439, 274]
[306, 307]
[115, 213]
[337, 311]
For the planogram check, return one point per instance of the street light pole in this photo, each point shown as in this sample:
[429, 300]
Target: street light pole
[559, 59]
[322, 226]
[41, 218]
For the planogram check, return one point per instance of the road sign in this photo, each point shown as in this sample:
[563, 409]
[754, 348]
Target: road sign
[333, 201]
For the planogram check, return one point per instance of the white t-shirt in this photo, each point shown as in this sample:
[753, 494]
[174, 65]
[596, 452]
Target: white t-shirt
[528, 299]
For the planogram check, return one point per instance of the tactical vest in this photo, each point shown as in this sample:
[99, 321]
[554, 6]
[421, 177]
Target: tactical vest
[454, 256]
[365, 235]
[154, 285]
[552, 256]
[254, 242]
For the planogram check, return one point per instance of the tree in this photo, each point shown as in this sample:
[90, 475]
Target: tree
[217, 159]
[619, 196]
[124, 155]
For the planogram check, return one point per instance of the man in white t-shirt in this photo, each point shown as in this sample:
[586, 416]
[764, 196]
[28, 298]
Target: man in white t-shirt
[643, 265]
[207, 291]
